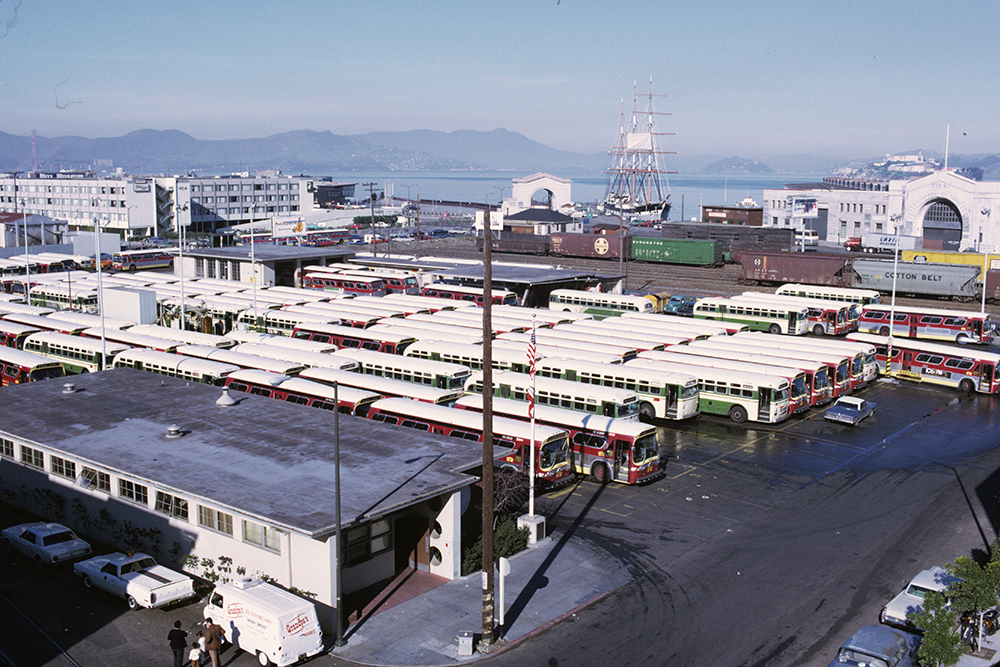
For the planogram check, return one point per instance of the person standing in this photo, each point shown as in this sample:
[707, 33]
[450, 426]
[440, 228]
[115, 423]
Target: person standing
[178, 643]
[213, 641]
[195, 655]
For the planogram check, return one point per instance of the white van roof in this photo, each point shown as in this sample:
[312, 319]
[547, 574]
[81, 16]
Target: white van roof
[271, 598]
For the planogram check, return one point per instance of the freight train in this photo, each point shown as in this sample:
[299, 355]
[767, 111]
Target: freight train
[733, 238]
[694, 252]
[959, 282]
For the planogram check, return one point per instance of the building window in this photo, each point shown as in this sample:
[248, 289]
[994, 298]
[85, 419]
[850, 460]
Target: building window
[215, 520]
[137, 493]
[262, 536]
[366, 542]
[6, 448]
[96, 479]
[63, 468]
[171, 505]
[32, 457]
[199, 268]
[234, 271]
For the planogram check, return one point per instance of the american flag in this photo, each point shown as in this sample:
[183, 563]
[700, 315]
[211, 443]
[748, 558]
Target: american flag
[531, 374]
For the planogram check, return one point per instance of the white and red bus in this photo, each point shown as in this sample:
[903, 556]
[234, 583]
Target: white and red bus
[552, 458]
[464, 293]
[349, 284]
[348, 400]
[968, 369]
[18, 366]
[12, 334]
[607, 449]
[353, 337]
[131, 260]
[957, 326]
[384, 386]
[832, 318]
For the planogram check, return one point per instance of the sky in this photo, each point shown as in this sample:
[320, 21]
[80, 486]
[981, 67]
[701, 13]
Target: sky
[851, 78]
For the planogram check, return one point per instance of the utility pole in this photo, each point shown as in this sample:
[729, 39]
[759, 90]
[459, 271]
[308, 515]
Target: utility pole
[371, 201]
[489, 605]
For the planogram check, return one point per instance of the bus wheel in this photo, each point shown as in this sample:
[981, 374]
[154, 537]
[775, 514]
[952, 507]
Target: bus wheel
[884, 331]
[774, 329]
[966, 386]
[738, 414]
[647, 411]
[600, 473]
[131, 268]
[818, 330]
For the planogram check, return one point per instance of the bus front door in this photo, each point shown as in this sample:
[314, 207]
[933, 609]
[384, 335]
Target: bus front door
[764, 410]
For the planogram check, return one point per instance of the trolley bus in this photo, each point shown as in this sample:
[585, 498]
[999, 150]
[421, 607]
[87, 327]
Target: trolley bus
[864, 367]
[457, 336]
[967, 369]
[241, 359]
[632, 327]
[741, 396]
[61, 296]
[471, 356]
[280, 322]
[130, 260]
[438, 327]
[863, 297]
[19, 366]
[661, 395]
[959, 326]
[540, 315]
[598, 304]
[384, 386]
[183, 335]
[349, 284]
[471, 318]
[91, 320]
[394, 283]
[428, 303]
[128, 337]
[759, 315]
[348, 315]
[346, 400]
[608, 330]
[598, 400]
[607, 449]
[45, 323]
[13, 334]
[832, 318]
[438, 374]
[354, 338]
[280, 341]
[566, 349]
[712, 328]
[465, 293]
[304, 358]
[175, 365]
[76, 353]
[575, 340]
[552, 458]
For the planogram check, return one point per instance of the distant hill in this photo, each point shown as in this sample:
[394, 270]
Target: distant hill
[737, 165]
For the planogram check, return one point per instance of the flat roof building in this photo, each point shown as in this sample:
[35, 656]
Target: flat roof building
[129, 453]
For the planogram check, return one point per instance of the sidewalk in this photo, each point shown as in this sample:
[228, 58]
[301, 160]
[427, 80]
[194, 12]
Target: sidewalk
[985, 657]
[546, 583]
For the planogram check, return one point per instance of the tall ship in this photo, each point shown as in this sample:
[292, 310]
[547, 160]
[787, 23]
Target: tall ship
[635, 192]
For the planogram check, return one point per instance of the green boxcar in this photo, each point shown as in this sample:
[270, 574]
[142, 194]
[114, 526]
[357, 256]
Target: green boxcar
[676, 251]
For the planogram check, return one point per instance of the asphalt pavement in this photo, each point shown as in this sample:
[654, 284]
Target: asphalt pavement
[547, 583]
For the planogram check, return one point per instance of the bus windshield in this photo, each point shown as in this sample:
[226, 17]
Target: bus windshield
[644, 448]
[554, 452]
[47, 373]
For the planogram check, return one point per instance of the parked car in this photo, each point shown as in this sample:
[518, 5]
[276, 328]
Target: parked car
[876, 645]
[137, 578]
[850, 410]
[45, 543]
[680, 304]
[909, 600]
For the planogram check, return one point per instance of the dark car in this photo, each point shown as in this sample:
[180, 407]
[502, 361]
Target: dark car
[680, 304]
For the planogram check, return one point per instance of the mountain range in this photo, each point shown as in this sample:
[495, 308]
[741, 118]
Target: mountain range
[322, 153]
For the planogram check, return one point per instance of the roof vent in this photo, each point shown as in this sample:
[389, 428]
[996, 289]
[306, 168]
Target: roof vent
[225, 400]
[246, 582]
[69, 388]
[174, 431]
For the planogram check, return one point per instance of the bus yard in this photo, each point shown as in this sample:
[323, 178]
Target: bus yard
[787, 448]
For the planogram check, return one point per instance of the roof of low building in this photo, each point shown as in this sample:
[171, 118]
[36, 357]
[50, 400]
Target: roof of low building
[269, 252]
[261, 457]
[538, 215]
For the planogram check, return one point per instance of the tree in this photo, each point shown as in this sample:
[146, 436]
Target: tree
[977, 587]
[941, 645]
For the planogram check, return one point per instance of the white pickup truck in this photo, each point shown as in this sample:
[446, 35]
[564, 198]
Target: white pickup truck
[137, 578]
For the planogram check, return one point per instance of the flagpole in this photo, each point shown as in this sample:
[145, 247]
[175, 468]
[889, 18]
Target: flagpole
[531, 414]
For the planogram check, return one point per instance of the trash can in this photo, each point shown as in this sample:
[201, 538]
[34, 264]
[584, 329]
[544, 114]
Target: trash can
[465, 643]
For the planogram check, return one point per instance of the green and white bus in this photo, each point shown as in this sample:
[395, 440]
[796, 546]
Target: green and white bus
[598, 304]
[77, 354]
[759, 315]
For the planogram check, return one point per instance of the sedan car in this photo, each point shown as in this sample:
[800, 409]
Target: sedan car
[909, 601]
[45, 543]
[850, 410]
[680, 304]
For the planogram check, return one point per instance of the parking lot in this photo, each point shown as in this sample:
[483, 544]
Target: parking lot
[762, 545]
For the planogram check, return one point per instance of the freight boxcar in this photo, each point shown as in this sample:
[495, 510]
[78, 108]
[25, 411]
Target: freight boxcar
[792, 267]
[522, 244]
[993, 286]
[676, 251]
[956, 281]
[597, 246]
[732, 238]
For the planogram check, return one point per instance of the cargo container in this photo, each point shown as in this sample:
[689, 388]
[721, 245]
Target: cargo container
[815, 269]
[732, 238]
[955, 281]
[598, 246]
[676, 251]
[524, 244]
[951, 257]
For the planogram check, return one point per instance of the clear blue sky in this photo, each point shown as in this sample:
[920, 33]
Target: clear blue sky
[852, 78]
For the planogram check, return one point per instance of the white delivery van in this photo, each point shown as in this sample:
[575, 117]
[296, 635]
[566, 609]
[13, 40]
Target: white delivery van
[806, 237]
[278, 627]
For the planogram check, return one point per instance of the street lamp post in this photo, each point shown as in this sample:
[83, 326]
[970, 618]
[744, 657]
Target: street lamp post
[180, 258]
[253, 266]
[27, 258]
[896, 219]
[100, 287]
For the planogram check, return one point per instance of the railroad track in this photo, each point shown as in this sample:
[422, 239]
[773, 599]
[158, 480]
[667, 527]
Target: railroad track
[672, 278]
